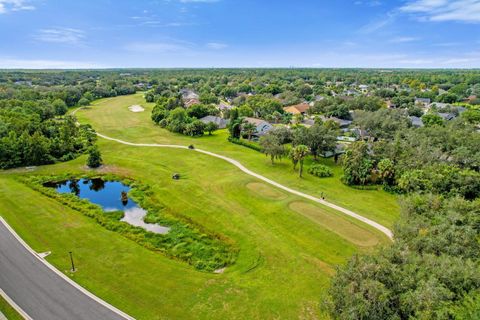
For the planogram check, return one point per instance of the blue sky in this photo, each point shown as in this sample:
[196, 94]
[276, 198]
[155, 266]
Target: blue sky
[233, 33]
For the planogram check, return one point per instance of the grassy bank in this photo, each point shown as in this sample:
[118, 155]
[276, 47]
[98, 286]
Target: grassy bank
[284, 263]
[7, 310]
[112, 117]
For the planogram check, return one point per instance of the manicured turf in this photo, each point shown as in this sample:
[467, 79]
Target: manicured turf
[8, 311]
[286, 258]
[112, 117]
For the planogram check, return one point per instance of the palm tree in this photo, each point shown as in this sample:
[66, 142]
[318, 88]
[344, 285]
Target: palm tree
[249, 129]
[298, 154]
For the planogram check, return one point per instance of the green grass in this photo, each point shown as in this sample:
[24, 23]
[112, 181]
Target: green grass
[285, 260]
[8, 310]
[112, 117]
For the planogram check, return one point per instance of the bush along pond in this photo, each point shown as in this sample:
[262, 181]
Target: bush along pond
[125, 206]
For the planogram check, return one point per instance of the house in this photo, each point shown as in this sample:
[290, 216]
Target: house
[416, 121]
[191, 102]
[261, 126]
[223, 106]
[301, 108]
[342, 123]
[222, 123]
[391, 105]
[188, 94]
[447, 116]
[363, 88]
[439, 105]
[422, 101]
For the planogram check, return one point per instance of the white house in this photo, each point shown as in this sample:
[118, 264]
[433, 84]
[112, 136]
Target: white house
[261, 126]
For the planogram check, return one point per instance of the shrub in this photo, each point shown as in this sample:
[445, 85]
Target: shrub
[320, 170]
[245, 144]
[94, 157]
[186, 240]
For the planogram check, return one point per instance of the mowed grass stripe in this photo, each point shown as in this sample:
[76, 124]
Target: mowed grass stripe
[112, 118]
[344, 228]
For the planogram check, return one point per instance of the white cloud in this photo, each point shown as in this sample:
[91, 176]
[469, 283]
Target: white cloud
[216, 45]
[7, 63]
[403, 39]
[15, 5]
[376, 25]
[445, 10]
[61, 35]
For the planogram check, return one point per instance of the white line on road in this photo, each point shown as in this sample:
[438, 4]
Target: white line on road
[63, 276]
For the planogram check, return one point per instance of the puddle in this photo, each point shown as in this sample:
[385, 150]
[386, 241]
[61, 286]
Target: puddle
[111, 196]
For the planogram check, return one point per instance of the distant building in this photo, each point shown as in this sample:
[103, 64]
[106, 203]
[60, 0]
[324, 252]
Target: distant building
[416, 121]
[301, 108]
[224, 106]
[191, 102]
[447, 116]
[188, 94]
[439, 105]
[261, 126]
[422, 101]
[342, 123]
[222, 123]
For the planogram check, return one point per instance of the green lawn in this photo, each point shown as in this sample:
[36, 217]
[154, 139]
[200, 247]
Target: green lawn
[8, 311]
[288, 246]
[112, 117]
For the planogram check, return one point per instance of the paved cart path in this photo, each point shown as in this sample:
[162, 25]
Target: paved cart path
[350, 213]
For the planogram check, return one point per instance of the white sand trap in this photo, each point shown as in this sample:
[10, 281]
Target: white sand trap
[136, 108]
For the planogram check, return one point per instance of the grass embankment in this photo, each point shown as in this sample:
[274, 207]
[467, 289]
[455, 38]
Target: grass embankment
[112, 117]
[285, 259]
[7, 310]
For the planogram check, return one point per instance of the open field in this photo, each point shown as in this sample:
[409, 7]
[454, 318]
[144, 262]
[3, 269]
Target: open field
[111, 117]
[286, 258]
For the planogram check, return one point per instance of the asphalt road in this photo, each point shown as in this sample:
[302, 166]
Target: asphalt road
[39, 291]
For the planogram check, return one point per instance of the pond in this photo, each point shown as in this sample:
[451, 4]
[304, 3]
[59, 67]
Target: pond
[111, 196]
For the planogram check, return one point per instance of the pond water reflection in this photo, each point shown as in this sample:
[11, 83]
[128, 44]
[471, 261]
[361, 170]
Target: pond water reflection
[111, 196]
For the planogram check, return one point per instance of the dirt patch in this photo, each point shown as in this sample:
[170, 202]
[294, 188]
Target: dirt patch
[136, 108]
[266, 191]
[344, 228]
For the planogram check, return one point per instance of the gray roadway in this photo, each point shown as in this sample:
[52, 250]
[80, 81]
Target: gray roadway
[39, 291]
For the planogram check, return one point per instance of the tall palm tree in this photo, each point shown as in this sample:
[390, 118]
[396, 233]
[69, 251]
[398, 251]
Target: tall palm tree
[298, 154]
[249, 129]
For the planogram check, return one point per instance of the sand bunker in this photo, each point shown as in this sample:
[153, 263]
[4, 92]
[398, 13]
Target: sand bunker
[136, 108]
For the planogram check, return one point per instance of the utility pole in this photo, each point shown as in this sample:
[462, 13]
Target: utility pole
[71, 260]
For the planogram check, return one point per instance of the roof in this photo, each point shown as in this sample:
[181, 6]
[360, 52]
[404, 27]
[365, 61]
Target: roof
[191, 102]
[447, 116]
[222, 123]
[439, 105]
[416, 121]
[297, 109]
[424, 100]
[224, 106]
[255, 121]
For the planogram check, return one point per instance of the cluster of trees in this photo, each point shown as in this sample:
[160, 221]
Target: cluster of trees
[429, 272]
[319, 139]
[440, 158]
[431, 269]
[37, 132]
[170, 114]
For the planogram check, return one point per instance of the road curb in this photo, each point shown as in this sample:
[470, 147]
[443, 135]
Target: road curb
[63, 276]
[14, 305]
